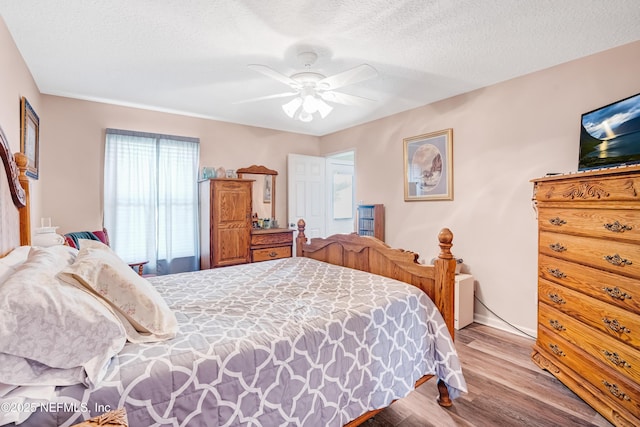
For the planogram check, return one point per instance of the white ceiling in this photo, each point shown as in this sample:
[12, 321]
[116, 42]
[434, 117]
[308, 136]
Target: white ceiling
[191, 56]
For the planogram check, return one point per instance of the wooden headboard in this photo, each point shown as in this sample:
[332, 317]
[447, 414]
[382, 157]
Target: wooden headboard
[15, 216]
[372, 255]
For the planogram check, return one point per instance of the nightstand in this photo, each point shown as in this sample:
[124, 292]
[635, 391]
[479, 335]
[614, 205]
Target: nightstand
[463, 308]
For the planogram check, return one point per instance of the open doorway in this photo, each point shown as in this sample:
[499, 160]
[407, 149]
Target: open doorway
[341, 208]
[322, 190]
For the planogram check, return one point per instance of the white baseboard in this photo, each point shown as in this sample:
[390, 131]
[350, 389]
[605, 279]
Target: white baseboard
[499, 324]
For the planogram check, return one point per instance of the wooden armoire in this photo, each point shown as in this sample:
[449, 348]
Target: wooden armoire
[225, 222]
[589, 287]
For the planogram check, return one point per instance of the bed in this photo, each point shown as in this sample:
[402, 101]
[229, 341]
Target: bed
[329, 337]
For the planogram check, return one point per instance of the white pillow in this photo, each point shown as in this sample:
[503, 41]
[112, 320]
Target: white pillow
[12, 260]
[145, 314]
[24, 372]
[54, 323]
[16, 256]
[95, 244]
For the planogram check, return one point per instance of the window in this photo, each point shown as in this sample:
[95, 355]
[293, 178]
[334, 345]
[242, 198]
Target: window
[151, 199]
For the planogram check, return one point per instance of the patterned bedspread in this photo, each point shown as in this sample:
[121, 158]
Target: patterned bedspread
[278, 343]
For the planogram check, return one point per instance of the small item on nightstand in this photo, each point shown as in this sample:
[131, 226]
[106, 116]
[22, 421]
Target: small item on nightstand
[46, 234]
[221, 172]
[47, 239]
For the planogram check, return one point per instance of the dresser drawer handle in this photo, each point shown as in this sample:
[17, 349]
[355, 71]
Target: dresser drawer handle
[613, 389]
[557, 247]
[617, 293]
[556, 298]
[616, 227]
[616, 359]
[617, 260]
[614, 325]
[273, 254]
[557, 325]
[555, 272]
[557, 221]
[556, 350]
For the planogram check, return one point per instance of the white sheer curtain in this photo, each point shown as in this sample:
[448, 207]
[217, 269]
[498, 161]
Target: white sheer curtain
[151, 199]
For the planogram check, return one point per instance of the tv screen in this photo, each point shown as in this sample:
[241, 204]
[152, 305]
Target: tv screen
[610, 136]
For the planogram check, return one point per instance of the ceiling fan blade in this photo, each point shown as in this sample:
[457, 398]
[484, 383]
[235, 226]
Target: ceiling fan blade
[346, 99]
[261, 98]
[270, 72]
[355, 75]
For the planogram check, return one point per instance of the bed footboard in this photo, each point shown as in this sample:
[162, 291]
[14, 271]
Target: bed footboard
[374, 256]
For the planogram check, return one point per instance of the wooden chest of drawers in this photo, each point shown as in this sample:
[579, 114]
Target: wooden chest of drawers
[271, 243]
[589, 287]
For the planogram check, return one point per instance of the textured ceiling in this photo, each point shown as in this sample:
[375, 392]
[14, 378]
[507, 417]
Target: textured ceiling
[191, 56]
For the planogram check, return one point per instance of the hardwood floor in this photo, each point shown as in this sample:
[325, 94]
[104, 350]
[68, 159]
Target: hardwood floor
[505, 389]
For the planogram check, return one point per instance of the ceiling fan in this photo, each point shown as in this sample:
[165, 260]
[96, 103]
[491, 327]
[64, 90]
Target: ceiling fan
[313, 90]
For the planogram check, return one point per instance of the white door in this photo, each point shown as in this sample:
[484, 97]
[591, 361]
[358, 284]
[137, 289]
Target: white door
[306, 193]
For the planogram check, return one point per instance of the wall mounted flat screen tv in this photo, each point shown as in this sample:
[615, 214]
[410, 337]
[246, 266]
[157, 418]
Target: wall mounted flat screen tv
[610, 136]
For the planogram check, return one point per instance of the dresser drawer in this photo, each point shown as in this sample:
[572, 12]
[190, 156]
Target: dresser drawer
[622, 224]
[618, 356]
[599, 190]
[621, 291]
[271, 253]
[617, 257]
[272, 239]
[613, 321]
[619, 390]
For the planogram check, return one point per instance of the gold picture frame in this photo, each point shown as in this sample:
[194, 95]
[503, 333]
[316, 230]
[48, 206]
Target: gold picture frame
[428, 166]
[29, 137]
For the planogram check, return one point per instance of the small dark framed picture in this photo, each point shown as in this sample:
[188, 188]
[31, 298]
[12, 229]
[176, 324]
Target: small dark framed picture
[29, 137]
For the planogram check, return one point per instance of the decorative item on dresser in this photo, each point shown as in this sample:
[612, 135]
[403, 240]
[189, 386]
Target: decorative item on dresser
[371, 221]
[225, 222]
[589, 289]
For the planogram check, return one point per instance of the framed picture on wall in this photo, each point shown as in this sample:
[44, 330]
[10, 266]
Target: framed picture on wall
[428, 166]
[29, 137]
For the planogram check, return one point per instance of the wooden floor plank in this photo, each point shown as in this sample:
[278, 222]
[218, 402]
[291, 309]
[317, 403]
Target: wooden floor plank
[505, 389]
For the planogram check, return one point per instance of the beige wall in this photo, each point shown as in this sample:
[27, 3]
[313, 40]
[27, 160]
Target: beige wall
[73, 153]
[503, 136]
[15, 82]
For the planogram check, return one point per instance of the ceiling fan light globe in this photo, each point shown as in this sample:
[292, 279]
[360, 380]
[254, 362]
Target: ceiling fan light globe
[310, 104]
[292, 106]
[324, 109]
[304, 116]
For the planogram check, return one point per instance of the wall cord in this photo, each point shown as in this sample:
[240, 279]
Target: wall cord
[492, 312]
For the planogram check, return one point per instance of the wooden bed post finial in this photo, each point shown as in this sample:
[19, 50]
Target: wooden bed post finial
[25, 211]
[301, 239]
[445, 237]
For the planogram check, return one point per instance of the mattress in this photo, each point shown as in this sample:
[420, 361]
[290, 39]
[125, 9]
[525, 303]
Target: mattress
[286, 342]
